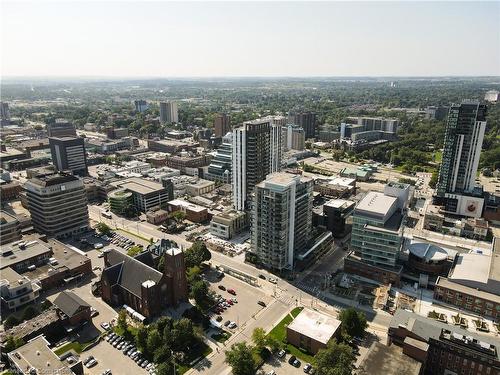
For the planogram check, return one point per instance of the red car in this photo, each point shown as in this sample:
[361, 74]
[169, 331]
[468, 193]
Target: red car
[229, 301]
[231, 291]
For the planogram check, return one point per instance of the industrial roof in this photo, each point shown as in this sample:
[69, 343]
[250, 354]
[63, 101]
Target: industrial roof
[315, 325]
[472, 266]
[141, 186]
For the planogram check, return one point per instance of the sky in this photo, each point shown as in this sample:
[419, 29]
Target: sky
[218, 39]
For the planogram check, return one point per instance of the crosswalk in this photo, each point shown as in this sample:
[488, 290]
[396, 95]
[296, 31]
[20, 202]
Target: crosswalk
[287, 299]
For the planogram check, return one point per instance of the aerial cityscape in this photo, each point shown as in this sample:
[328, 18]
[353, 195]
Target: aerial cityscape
[271, 188]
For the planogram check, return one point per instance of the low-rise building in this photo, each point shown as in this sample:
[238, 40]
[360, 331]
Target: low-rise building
[72, 309]
[9, 228]
[311, 330]
[473, 283]
[227, 224]
[9, 190]
[171, 146]
[194, 213]
[35, 357]
[156, 216]
[146, 194]
[388, 360]
[201, 187]
[338, 187]
[183, 163]
[442, 348]
[16, 290]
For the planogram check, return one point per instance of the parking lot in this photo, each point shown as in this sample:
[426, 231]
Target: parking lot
[111, 358]
[280, 367]
[246, 297]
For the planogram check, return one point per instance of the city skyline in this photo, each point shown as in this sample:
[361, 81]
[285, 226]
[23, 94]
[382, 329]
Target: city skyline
[242, 39]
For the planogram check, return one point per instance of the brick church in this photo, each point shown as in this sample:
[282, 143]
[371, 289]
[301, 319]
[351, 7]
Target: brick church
[135, 282]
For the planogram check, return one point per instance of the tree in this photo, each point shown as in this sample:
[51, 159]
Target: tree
[197, 254]
[11, 321]
[336, 359]
[274, 344]
[141, 338]
[162, 354]
[240, 358]
[134, 250]
[353, 322]
[121, 322]
[202, 295]
[259, 338]
[103, 228]
[193, 274]
[183, 335]
[164, 368]
[178, 216]
[154, 341]
[13, 343]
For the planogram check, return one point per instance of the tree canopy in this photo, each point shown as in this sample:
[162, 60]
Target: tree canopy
[353, 322]
[241, 359]
[336, 359]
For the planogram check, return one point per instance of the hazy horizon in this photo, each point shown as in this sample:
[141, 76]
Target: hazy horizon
[196, 40]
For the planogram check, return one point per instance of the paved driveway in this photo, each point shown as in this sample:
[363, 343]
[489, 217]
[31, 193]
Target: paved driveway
[111, 358]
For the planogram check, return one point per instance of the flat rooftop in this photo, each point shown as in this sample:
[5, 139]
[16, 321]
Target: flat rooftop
[388, 360]
[36, 354]
[315, 325]
[6, 218]
[186, 204]
[339, 203]
[376, 203]
[282, 179]
[472, 266]
[13, 254]
[140, 185]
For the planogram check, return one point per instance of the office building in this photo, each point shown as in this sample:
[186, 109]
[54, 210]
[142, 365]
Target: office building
[140, 105]
[57, 204]
[377, 235]
[168, 112]
[333, 216]
[121, 201]
[68, 154]
[281, 219]
[436, 112]
[256, 152]
[307, 121]
[221, 164]
[61, 128]
[146, 194]
[135, 282]
[444, 349]
[222, 124]
[456, 187]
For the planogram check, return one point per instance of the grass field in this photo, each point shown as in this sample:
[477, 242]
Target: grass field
[75, 345]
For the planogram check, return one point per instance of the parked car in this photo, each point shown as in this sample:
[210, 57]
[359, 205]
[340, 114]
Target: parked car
[226, 323]
[231, 291]
[91, 363]
[222, 287]
[261, 276]
[93, 312]
[232, 325]
[292, 359]
[101, 255]
[105, 325]
[219, 318]
[307, 368]
[281, 353]
[261, 303]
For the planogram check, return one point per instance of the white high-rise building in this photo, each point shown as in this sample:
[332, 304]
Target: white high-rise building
[168, 112]
[256, 152]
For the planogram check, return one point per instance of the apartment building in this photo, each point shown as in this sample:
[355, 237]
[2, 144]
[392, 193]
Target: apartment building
[281, 219]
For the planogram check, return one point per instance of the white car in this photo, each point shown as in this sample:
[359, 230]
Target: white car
[232, 325]
[91, 363]
[98, 246]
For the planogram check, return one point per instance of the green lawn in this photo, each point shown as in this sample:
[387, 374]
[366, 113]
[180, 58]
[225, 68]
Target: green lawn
[438, 156]
[75, 345]
[279, 332]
